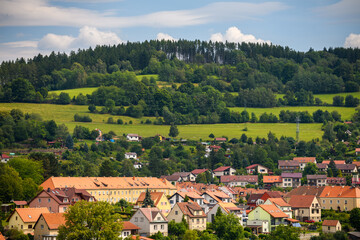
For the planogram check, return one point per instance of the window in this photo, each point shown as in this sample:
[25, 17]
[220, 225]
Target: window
[323, 201]
[176, 212]
[141, 219]
[158, 218]
[338, 201]
[49, 200]
[49, 209]
[64, 208]
[162, 227]
[42, 226]
[29, 226]
[16, 218]
[155, 227]
[39, 200]
[136, 219]
[22, 227]
[345, 201]
[329, 228]
[330, 201]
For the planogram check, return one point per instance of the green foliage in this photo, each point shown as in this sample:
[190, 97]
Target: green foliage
[90, 220]
[285, 232]
[177, 229]
[355, 218]
[84, 118]
[28, 168]
[173, 131]
[148, 202]
[10, 184]
[227, 227]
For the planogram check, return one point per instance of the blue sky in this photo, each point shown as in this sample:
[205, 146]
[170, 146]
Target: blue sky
[29, 27]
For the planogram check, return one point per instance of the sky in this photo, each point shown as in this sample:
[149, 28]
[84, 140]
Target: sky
[30, 27]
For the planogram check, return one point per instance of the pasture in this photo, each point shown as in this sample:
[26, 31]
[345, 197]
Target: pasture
[64, 114]
[328, 98]
[74, 92]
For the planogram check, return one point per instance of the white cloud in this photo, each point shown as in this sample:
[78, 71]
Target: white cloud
[164, 36]
[88, 37]
[353, 41]
[233, 34]
[42, 13]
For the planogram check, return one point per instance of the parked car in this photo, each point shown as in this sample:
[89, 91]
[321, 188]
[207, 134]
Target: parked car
[309, 221]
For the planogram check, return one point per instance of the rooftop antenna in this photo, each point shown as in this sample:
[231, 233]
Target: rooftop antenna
[297, 128]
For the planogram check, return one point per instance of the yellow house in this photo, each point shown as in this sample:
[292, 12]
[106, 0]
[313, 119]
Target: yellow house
[331, 226]
[191, 212]
[47, 226]
[113, 189]
[341, 198]
[160, 201]
[24, 219]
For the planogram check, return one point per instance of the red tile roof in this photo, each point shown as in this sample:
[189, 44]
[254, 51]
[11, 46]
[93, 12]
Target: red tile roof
[340, 191]
[272, 179]
[255, 165]
[239, 178]
[274, 211]
[30, 214]
[20, 203]
[305, 159]
[220, 169]
[335, 161]
[187, 209]
[54, 220]
[199, 171]
[140, 238]
[300, 201]
[331, 223]
[129, 226]
[279, 201]
[2, 237]
[155, 196]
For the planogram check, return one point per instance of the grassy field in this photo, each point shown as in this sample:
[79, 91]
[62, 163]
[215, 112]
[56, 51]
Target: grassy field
[75, 92]
[346, 113]
[65, 113]
[328, 98]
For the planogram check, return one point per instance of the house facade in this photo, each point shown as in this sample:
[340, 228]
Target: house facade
[305, 207]
[331, 226]
[191, 212]
[288, 165]
[317, 180]
[270, 181]
[291, 179]
[239, 180]
[150, 221]
[131, 155]
[258, 168]
[224, 171]
[133, 137]
[47, 226]
[129, 229]
[304, 160]
[24, 219]
[226, 208]
[342, 198]
[160, 201]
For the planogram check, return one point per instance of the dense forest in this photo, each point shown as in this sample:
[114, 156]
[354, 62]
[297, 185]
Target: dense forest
[205, 78]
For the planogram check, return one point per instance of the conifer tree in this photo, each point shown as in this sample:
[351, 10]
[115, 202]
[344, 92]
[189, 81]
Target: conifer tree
[148, 201]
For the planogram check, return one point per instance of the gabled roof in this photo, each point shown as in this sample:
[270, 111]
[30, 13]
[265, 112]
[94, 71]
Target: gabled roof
[272, 179]
[217, 195]
[291, 175]
[4, 156]
[20, 203]
[175, 176]
[239, 178]
[129, 226]
[288, 163]
[151, 213]
[274, 211]
[331, 223]
[340, 192]
[199, 171]
[305, 190]
[140, 238]
[188, 208]
[28, 215]
[54, 220]
[220, 139]
[356, 163]
[346, 166]
[133, 135]
[305, 159]
[131, 153]
[221, 169]
[279, 201]
[335, 161]
[297, 201]
[255, 165]
[155, 196]
[228, 207]
[272, 194]
[321, 165]
[316, 176]
[192, 195]
[253, 198]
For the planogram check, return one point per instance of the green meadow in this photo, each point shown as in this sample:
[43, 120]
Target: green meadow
[75, 92]
[65, 114]
[328, 98]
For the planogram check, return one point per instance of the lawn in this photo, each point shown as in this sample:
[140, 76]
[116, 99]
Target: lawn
[76, 91]
[346, 113]
[328, 98]
[65, 113]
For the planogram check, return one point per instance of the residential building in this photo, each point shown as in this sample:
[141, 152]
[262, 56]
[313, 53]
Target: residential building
[220, 140]
[281, 204]
[336, 181]
[229, 191]
[288, 165]
[341, 198]
[213, 197]
[322, 167]
[131, 155]
[331, 226]
[357, 151]
[327, 162]
[270, 181]
[138, 165]
[180, 177]
[129, 229]
[304, 160]
[196, 172]
[258, 168]
[150, 221]
[266, 195]
[355, 180]
[226, 208]
[4, 158]
[316, 180]
[180, 197]
[291, 179]
[224, 171]
[266, 217]
[305, 207]
[47, 226]
[112, 189]
[191, 212]
[253, 200]
[347, 169]
[239, 180]
[160, 201]
[23, 219]
[133, 137]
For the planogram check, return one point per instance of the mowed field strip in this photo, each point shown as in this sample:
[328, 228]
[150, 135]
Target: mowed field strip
[65, 114]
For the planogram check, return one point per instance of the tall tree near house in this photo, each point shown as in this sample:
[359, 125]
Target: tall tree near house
[173, 131]
[333, 168]
[148, 202]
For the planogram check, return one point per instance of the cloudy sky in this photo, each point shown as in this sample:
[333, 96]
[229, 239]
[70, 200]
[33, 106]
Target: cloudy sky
[29, 27]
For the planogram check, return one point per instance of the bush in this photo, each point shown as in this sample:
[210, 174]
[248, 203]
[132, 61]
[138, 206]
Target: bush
[84, 118]
[148, 121]
[120, 121]
[110, 120]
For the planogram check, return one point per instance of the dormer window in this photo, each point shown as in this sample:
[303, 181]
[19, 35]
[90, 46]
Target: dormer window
[65, 200]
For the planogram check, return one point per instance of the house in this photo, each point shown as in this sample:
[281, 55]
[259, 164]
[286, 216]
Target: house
[266, 217]
[220, 140]
[112, 189]
[213, 197]
[357, 151]
[270, 181]
[191, 212]
[58, 200]
[150, 221]
[322, 167]
[268, 195]
[355, 180]
[239, 180]
[224, 171]
[196, 172]
[304, 160]
[281, 204]
[331, 226]
[138, 165]
[131, 155]
[291, 179]
[160, 201]
[341, 198]
[336, 181]
[4, 158]
[229, 191]
[181, 195]
[258, 168]
[288, 165]
[316, 180]
[133, 137]
[226, 208]
[20, 204]
[180, 177]
[214, 148]
[327, 162]
[254, 199]
[47, 226]
[347, 169]
[129, 229]
[23, 219]
[305, 207]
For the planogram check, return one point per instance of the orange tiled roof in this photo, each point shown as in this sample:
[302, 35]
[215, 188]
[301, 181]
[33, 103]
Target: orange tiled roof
[54, 220]
[189, 194]
[340, 192]
[140, 238]
[228, 206]
[356, 163]
[272, 179]
[305, 159]
[332, 223]
[150, 213]
[279, 201]
[274, 211]
[2, 237]
[155, 196]
[187, 208]
[106, 183]
[297, 201]
[30, 214]
[335, 161]
[129, 226]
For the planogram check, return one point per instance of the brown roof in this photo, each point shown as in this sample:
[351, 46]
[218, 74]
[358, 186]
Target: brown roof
[316, 176]
[297, 201]
[305, 159]
[272, 179]
[346, 166]
[54, 220]
[150, 213]
[20, 203]
[279, 201]
[30, 214]
[155, 196]
[321, 165]
[199, 171]
[274, 211]
[129, 226]
[239, 178]
[228, 206]
[188, 208]
[305, 190]
[288, 163]
[96, 183]
[192, 195]
[253, 198]
[332, 223]
[220, 169]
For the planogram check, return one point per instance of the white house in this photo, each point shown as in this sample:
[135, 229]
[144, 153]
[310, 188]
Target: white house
[131, 155]
[133, 137]
[150, 221]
